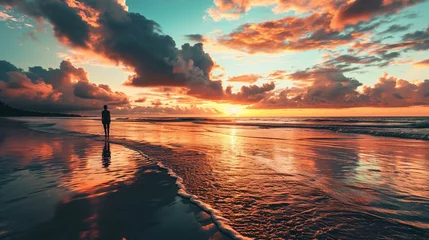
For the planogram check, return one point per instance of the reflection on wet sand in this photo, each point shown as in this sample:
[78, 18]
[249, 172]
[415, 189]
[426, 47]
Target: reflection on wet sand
[106, 156]
[293, 183]
[54, 187]
[298, 183]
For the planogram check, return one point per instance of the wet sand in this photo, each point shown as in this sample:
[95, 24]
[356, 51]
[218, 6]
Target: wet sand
[58, 187]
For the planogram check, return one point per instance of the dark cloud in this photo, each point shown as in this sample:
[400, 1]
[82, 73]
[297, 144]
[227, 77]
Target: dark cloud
[61, 90]
[105, 28]
[6, 67]
[415, 41]
[249, 94]
[417, 35]
[196, 37]
[67, 23]
[396, 28]
[353, 12]
[87, 90]
[325, 74]
[356, 59]
[380, 59]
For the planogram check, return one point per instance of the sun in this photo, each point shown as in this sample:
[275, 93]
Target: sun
[233, 110]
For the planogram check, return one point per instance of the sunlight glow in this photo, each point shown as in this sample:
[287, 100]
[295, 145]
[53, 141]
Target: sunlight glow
[233, 110]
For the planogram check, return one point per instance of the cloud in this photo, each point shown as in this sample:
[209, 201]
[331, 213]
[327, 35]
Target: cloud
[130, 39]
[331, 89]
[19, 86]
[414, 41]
[343, 12]
[4, 17]
[327, 24]
[123, 4]
[156, 102]
[355, 61]
[196, 38]
[423, 63]
[64, 89]
[249, 94]
[173, 110]
[250, 78]
[353, 12]
[321, 74]
[395, 28]
[278, 75]
[289, 34]
[417, 35]
[141, 100]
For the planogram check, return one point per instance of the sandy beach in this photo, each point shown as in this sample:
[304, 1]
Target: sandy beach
[59, 187]
[263, 182]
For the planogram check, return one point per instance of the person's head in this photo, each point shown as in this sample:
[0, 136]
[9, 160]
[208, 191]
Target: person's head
[105, 107]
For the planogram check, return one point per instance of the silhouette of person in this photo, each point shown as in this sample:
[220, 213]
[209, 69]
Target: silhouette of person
[105, 119]
[106, 154]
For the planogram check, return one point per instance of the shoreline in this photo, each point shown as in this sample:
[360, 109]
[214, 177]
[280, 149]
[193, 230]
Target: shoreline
[200, 225]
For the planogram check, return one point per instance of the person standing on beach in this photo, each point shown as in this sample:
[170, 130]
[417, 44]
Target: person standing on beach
[105, 119]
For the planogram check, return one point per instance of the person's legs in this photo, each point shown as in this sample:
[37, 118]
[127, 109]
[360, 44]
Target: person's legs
[108, 130]
[105, 129]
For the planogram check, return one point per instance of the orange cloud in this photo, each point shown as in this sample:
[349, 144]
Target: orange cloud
[424, 63]
[289, 33]
[20, 86]
[141, 100]
[278, 75]
[353, 12]
[337, 91]
[66, 88]
[332, 23]
[251, 78]
[345, 12]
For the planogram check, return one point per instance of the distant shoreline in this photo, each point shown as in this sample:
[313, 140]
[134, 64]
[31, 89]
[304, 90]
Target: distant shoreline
[7, 111]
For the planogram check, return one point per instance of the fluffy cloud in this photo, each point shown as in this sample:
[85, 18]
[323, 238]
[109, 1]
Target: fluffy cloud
[329, 88]
[66, 88]
[289, 33]
[352, 12]
[19, 86]
[331, 24]
[107, 29]
[343, 12]
[249, 94]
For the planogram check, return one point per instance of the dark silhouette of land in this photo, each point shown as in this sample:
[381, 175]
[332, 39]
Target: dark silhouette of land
[7, 111]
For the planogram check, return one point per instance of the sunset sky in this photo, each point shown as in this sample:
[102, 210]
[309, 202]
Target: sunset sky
[225, 57]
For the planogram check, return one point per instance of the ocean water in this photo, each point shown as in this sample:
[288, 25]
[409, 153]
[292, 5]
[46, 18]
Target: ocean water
[276, 178]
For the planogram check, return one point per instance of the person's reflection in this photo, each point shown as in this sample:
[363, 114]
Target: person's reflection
[106, 154]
